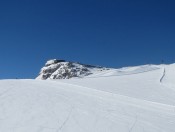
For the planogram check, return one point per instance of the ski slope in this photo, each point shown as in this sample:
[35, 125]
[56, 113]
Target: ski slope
[132, 99]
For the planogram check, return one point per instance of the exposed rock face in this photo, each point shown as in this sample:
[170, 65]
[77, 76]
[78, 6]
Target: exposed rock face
[60, 69]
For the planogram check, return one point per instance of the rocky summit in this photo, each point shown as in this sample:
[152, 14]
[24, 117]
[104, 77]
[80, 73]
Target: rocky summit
[61, 69]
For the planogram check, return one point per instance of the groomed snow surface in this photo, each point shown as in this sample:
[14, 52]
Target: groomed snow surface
[132, 99]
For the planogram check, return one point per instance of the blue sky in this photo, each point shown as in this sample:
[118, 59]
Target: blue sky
[112, 33]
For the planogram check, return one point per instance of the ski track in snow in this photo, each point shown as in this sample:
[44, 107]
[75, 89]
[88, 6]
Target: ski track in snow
[164, 72]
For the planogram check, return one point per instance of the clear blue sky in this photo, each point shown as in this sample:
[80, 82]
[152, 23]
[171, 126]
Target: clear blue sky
[112, 33]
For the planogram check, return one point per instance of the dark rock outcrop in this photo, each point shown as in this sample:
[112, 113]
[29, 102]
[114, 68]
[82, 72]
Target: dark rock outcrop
[61, 69]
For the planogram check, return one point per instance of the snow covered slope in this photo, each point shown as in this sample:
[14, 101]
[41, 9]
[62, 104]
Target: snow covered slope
[133, 99]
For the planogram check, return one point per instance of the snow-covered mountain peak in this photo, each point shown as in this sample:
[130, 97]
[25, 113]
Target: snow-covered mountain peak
[61, 69]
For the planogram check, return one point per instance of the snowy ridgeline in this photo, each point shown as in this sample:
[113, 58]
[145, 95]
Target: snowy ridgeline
[60, 69]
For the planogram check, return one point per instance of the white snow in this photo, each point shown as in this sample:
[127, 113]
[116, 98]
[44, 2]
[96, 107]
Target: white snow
[133, 99]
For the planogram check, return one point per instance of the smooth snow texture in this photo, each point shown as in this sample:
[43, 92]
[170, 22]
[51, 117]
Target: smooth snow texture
[133, 99]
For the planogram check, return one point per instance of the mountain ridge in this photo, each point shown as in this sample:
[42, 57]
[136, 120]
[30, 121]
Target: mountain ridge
[62, 69]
